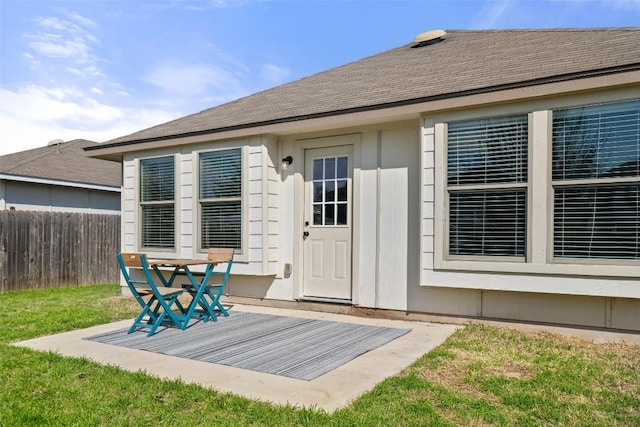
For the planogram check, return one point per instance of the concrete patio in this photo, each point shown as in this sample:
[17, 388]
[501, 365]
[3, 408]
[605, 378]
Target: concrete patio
[329, 392]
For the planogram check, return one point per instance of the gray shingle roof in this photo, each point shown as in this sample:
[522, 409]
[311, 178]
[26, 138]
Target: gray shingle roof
[465, 61]
[64, 162]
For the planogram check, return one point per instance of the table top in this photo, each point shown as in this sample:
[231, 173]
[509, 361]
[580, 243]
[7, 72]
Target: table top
[178, 262]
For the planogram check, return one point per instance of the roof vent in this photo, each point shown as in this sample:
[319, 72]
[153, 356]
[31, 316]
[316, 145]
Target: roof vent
[428, 38]
[54, 142]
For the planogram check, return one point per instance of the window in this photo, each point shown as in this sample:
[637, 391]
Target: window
[157, 201]
[220, 193]
[330, 181]
[596, 182]
[487, 168]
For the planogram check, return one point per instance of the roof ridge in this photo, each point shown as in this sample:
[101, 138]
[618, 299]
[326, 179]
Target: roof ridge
[544, 30]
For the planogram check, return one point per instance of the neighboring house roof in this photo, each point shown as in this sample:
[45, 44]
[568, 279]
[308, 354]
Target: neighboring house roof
[65, 162]
[465, 62]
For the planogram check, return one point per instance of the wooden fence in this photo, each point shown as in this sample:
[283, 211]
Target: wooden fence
[53, 249]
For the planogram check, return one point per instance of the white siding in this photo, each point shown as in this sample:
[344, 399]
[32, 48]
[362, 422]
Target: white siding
[187, 205]
[427, 199]
[129, 188]
[271, 184]
[255, 205]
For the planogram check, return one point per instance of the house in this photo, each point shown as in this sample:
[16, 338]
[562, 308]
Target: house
[482, 174]
[59, 177]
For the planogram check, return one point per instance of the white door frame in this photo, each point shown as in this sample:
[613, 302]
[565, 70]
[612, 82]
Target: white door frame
[327, 253]
[353, 139]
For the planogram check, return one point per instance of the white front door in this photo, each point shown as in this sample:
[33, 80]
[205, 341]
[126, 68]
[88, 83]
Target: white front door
[327, 222]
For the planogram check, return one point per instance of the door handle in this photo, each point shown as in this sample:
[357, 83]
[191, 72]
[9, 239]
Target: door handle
[305, 234]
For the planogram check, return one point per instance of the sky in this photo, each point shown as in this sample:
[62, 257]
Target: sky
[100, 69]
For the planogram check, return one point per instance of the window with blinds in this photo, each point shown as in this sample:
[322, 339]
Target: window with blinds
[157, 202]
[596, 181]
[487, 174]
[220, 194]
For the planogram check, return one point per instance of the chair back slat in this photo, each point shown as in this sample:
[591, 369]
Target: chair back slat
[220, 254]
[132, 260]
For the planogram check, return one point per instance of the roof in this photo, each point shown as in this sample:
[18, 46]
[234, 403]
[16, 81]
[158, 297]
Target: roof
[66, 161]
[464, 62]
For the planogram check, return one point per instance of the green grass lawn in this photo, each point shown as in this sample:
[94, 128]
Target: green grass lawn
[480, 376]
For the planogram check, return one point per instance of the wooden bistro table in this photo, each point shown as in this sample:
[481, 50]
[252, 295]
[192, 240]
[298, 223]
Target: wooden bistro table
[198, 288]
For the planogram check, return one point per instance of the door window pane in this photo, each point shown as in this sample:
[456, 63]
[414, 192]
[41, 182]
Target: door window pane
[330, 168]
[343, 167]
[342, 190]
[342, 214]
[330, 191]
[317, 169]
[329, 214]
[317, 214]
[317, 191]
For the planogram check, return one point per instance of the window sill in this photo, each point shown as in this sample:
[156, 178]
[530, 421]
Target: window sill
[565, 279]
[564, 267]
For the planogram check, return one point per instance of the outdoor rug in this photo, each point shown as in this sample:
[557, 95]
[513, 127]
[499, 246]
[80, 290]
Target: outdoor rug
[289, 346]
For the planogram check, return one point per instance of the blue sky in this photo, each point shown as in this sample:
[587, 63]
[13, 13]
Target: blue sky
[101, 69]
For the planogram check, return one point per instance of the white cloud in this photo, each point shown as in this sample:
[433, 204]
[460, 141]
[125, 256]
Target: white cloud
[56, 38]
[39, 114]
[184, 82]
[85, 22]
[274, 74]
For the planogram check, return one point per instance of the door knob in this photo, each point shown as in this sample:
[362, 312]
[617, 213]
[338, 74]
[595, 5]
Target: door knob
[305, 234]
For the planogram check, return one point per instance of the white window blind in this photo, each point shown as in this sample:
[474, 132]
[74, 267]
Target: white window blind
[157, 199]
[487, 172]
[596, 181]
[220, 192]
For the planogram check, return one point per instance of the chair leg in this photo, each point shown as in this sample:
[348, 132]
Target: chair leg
[215, 299]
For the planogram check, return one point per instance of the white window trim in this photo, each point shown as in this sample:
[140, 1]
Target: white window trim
[158, 252]
[539, 258]
[239, 256]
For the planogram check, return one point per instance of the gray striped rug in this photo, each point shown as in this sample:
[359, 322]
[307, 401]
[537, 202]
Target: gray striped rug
[289, 346]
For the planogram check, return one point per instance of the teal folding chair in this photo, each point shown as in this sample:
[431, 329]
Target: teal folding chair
[161, 300]
[209, 301]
